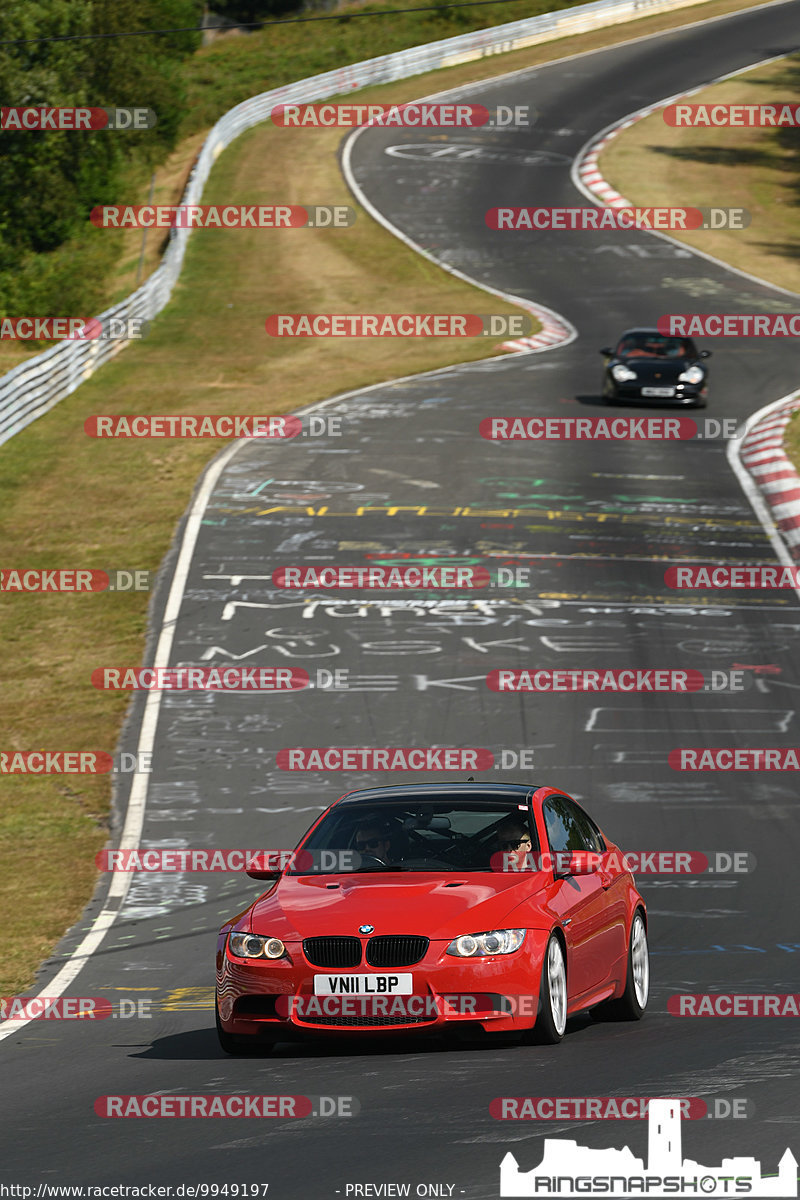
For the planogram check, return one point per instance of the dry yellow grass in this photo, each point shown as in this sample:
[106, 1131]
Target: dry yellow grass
[754, 169]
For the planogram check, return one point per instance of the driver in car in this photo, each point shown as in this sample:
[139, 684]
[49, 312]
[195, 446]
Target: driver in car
[374, 838]
[512, 846]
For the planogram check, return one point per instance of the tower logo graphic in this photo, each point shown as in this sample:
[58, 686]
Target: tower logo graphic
[569, 1170]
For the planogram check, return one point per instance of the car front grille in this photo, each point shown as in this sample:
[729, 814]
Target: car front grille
[396, 950]
[332, 951]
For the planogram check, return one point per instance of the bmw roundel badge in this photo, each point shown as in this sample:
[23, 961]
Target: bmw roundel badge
[366, 928]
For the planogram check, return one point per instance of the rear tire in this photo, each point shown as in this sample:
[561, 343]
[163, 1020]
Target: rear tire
[551, 1020]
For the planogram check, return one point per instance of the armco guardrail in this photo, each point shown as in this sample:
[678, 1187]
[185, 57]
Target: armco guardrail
[32, 388]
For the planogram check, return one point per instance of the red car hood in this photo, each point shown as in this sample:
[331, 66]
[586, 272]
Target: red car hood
[435, 906]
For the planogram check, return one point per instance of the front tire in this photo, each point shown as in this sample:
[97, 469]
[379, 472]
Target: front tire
[551, 1019]
[238, 1046]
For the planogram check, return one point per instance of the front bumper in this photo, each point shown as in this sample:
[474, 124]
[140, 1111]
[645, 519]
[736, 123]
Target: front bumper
[275, 1000]
[684, 393]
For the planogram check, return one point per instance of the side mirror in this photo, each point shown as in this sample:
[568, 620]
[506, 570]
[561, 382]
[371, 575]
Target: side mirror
[270, 873]
[577, 862]
[607, 351]
[705, 353]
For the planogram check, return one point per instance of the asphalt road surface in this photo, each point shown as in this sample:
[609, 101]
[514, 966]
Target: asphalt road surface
[596, 524]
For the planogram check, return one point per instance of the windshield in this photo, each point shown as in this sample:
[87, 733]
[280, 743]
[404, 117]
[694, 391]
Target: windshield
[655, 345]
[445, 834]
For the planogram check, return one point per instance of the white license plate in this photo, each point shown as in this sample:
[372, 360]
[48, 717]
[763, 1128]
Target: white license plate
[658, 391]
[363, 985]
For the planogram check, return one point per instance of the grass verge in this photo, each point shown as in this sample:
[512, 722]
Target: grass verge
[755, 169]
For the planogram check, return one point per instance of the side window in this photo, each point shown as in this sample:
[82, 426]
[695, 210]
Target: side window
[563, 824]
[589, 830]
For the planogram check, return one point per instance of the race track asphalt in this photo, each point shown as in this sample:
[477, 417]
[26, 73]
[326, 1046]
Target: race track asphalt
[596, 523]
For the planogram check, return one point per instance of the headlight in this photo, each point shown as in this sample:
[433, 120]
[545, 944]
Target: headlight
[478, 945]
[692, 375]
[622, 374]
[250, 945]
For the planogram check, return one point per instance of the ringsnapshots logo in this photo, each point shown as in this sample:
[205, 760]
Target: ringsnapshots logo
[223, 216]
[570, 1170]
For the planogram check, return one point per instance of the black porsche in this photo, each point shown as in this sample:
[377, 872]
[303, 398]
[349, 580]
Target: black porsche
[646, 365]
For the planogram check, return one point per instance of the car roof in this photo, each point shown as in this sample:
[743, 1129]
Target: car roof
[652, 329]
[429, 791]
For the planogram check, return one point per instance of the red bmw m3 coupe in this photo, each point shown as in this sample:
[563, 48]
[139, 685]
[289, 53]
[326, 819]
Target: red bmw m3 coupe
[436, 908]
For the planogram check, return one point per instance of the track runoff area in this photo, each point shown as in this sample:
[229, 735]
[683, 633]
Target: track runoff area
[570, 540]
